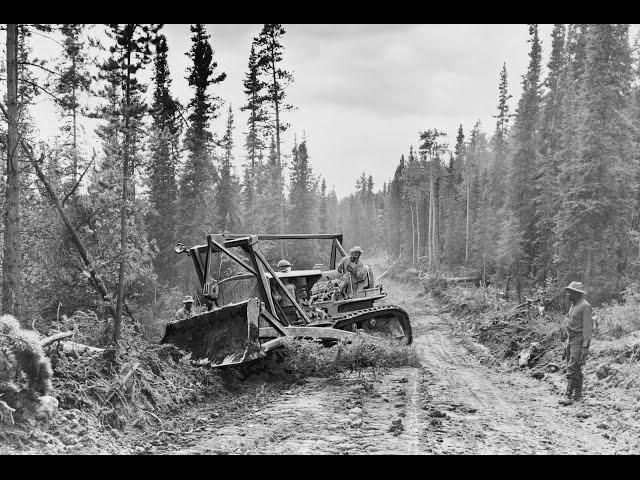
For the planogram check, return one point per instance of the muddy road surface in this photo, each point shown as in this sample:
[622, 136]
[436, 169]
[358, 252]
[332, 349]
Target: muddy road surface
[453, 404]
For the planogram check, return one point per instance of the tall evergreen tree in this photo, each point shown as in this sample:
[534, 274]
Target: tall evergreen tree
[323, 213]
[547, 187]
[270, 51]
[500, 142]
[525, 141]
[163, 190]
[129, 54]
[227, 192]
[254, 144]
[196, 185]
[594, 225]
[11, 262]
[73, 82]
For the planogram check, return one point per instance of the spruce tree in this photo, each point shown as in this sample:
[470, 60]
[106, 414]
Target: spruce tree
[11, 264]
[322, 209]
[227, 191]
[163, 190]
[593, 226]
[547, 186]
[270, 54]
[396, 194]
[525, 144]
[301, 201]
[500, 143]
[72, 83]
[254, 144]
[129, 54]
[196, 185]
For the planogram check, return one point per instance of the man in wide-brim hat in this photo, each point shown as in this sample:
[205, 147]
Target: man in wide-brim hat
[186, 311]
[579, 329]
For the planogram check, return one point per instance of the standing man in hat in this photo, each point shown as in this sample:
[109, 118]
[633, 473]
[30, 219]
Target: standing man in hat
[186, 311]
[353, 271]
[579, 328]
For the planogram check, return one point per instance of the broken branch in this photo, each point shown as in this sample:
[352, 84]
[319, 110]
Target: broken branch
[55, 338]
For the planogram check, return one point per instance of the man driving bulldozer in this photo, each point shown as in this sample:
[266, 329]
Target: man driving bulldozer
[354, 273]
[284, 266]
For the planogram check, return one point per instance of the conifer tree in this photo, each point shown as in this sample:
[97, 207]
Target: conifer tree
[525, 138]
[301, 201]
[322, 209]
[396, 194]
[129, 54]
[72, 83]
[593, 227]
[269, 51]
[500, 143]
[196, 185]
[254, 144]
[11, 264]
[227, 191]
[547, 187]
[163, 190]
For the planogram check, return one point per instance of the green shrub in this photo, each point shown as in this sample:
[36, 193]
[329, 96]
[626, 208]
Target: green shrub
[619, 318]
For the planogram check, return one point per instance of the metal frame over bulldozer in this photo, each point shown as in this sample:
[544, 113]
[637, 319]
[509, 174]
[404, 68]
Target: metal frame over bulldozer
[255, 310]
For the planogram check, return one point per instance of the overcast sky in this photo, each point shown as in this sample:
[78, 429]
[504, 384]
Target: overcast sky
[363, 92]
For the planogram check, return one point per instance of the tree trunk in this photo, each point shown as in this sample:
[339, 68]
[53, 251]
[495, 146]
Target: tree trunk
[466, 242]
[11, 264]
[506, 288]
[276, 105]
[417, 234]
[123, 208]
[413, 240]
[432, 214]
[518, 285]
[436, 223]
[589, 260]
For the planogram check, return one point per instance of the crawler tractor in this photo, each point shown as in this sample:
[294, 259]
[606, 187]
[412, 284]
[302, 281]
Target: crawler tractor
[253, 307]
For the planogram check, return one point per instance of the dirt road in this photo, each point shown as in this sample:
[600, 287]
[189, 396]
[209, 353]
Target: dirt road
[452, 404]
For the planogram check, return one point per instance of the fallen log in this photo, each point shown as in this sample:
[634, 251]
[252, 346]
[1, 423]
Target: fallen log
[74, 349]
[55, 338]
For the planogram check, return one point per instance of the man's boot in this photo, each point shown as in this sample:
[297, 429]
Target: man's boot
[577, 393]
[567, 400]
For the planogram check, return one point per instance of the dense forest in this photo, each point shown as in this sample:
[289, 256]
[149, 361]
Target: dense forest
[550, 196]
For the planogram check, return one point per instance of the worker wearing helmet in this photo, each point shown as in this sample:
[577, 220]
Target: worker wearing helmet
[354, 272]
[284, 266]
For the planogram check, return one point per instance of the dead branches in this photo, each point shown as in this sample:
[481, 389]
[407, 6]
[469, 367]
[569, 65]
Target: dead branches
[123, 381]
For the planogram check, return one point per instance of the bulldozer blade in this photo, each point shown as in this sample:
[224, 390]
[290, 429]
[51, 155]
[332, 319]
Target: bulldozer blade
[225, 336]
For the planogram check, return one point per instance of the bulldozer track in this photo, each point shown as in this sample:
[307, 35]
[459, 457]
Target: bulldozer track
[373, 312]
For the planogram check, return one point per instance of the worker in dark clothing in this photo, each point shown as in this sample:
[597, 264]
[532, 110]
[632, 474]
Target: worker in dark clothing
[579, 328]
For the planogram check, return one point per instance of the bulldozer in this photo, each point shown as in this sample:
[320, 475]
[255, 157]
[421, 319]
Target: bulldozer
[253, 308]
